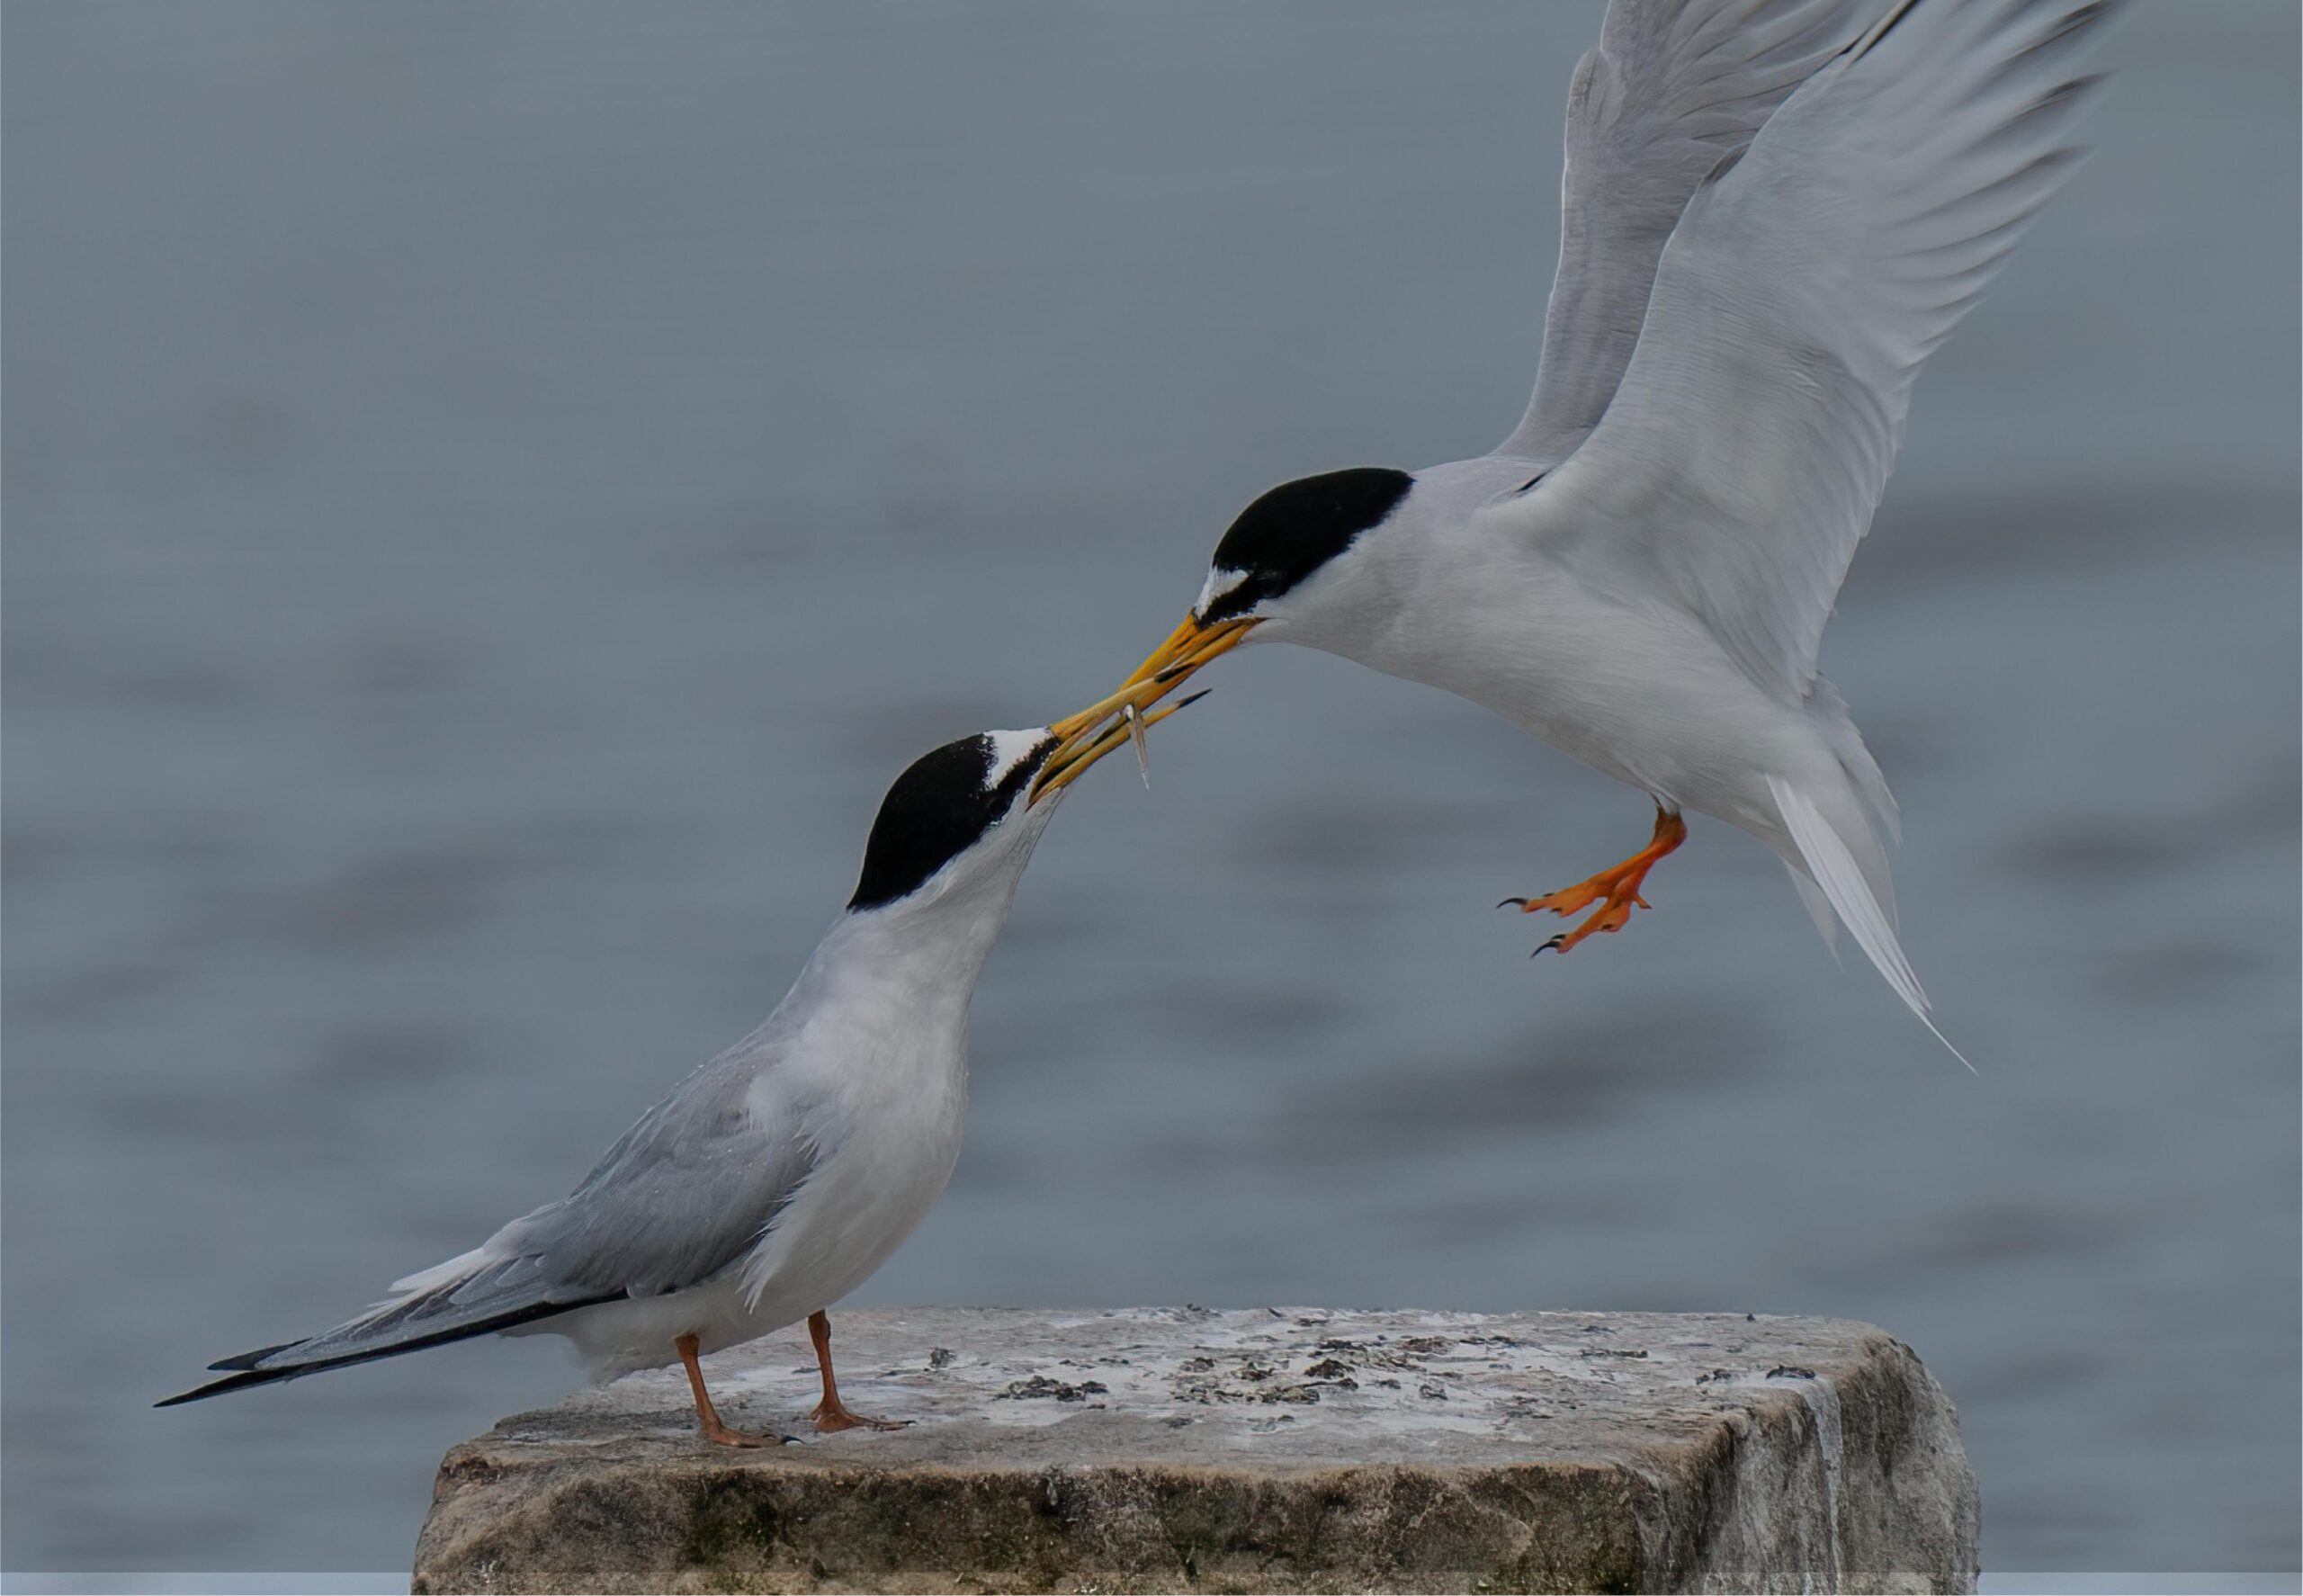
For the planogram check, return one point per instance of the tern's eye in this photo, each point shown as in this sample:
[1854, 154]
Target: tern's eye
[1295, 530]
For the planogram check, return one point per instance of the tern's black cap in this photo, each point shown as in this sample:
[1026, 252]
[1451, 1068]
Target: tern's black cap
[937, 809]
[1298, 527]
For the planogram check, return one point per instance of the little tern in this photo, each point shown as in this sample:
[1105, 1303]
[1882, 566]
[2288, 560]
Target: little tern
[1768, 221]
[772, 1181]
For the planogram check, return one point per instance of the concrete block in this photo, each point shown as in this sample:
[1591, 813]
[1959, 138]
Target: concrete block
[1265, 1449]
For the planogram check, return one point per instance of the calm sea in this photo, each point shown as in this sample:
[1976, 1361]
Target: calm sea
[493, 494]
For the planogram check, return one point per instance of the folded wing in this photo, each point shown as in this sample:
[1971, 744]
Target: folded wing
[685, 1194]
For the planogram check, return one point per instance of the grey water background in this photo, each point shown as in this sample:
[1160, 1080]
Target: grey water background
[493, 494]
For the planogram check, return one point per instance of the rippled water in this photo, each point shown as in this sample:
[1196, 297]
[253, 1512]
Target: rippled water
[493, 495]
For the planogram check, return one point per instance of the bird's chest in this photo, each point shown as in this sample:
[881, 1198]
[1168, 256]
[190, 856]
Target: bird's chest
[895, 1134]
[894, 1113]
[1564, 666]
[885, 1147]
[906, 1143]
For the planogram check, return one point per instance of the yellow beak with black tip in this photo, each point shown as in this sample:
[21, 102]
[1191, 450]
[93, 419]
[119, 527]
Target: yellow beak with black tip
[1122, 714]
[1073, 755]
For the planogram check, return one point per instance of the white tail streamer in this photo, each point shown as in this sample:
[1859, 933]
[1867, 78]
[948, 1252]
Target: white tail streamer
[1835, 871]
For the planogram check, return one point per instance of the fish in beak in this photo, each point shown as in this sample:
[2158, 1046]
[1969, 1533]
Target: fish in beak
[1123, 715]
[1073, 754]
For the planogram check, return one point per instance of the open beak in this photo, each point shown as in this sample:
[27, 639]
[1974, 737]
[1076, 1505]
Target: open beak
[1073, 755]
[1188, 646]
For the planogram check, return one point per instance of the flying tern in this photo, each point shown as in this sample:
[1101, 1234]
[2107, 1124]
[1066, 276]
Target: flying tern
[772, 1181]
[1769, 220]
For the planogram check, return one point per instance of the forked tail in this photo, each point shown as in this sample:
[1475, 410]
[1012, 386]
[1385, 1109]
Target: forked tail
[470, 1295]
[1847, 887]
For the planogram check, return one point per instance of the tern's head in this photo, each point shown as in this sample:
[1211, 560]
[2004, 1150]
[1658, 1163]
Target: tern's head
[1285, 566]
[1289, 548]
[968, 813]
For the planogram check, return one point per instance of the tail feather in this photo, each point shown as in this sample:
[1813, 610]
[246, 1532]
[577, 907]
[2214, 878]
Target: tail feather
[1818, 908]
[1827, 711]
[472, 1295]
[1847, 887]
[269, 1365]
[239, 1360]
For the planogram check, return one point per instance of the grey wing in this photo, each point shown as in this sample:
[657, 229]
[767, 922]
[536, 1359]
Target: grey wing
[1674, 87]
[684, 1194]
[1801, 295]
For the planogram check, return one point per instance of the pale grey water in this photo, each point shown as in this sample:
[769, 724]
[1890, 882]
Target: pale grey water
[493, 495]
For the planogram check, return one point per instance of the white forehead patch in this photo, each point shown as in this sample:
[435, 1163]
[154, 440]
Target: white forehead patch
[1008, 749]
[1219, 582]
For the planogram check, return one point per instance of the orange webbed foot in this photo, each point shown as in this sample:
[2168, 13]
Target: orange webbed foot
[832, 1417]
[725, 1435]
[708, 1422]
[1614, 889]
[1614, 915]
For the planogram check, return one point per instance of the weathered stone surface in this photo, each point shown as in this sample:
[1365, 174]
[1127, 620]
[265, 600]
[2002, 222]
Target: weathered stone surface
[1271, 1449]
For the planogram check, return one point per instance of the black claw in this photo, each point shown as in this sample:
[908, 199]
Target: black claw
[1507, 902]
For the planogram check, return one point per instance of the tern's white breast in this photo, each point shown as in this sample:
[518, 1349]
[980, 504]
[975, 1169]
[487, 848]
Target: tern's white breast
[1462, 591]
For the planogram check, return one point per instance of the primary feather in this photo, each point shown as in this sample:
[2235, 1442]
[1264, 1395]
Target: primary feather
[1742, 456]
[1672, 87]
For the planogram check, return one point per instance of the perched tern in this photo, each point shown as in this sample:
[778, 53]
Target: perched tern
[1768, 221]
[772, 1180]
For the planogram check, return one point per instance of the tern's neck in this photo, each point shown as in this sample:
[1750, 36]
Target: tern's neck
[911, 963]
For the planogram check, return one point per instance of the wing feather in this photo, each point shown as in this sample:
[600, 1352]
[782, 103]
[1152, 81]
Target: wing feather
[1743, 453]
[1672, 86]
[685, 1194]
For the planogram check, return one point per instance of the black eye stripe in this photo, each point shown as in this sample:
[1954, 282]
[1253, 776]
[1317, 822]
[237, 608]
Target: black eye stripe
[1298, 527]
[1238, 601]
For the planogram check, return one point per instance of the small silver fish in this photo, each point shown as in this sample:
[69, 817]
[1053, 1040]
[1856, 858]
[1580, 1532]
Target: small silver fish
[1143, 748]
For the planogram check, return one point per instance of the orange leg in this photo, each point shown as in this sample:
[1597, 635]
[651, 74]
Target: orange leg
[831, 1413]
[707, 1417]
[1614, 889]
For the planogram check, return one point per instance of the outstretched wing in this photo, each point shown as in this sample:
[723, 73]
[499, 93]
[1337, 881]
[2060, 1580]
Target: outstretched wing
[682, 1194]
[1673, 86]
[1806, 283]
